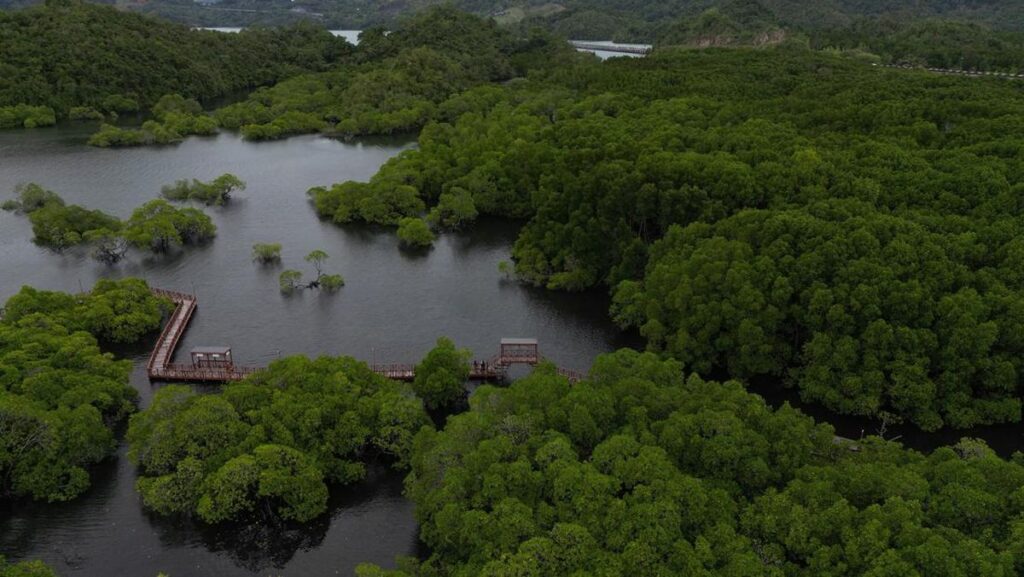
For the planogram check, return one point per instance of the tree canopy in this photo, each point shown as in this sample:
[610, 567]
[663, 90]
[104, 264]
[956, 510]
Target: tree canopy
[73, 54]
[60, 395]
[777, 213]
[394, 82]
[116, 311]
[642, 470]
[25, 569]
[441, 376]
[266, 448]
[216, 192]
[156, 226]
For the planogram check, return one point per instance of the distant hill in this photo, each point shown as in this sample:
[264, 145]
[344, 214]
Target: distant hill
[649, 19]
[982, 34]
[67, 54]
[701, 22]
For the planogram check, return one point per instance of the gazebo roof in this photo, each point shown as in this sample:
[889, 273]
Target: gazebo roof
[508, 341]
[211, 350]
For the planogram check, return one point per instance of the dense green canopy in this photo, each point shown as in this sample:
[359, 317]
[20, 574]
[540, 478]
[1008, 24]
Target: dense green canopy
[267, 447]
[442, 374]
[395, 81]
[156, 226]
[595, 19]
[60, 396]
[641, 471]
[115, 311]
[851, 230]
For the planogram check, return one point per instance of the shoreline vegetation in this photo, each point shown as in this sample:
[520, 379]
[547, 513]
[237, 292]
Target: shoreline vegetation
[61, 397]
[156, 226]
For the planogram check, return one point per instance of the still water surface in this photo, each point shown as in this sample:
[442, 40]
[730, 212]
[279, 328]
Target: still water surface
[394, 306]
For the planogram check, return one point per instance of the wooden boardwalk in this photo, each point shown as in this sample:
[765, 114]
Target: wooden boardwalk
[161, 368]
[493, 370]
[407, 372]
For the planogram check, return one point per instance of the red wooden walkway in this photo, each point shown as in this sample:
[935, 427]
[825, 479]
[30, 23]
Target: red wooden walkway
[493, 370]
[160, 367]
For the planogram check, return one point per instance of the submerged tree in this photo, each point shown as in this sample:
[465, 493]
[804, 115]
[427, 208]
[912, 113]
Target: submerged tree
[31, 197]
[317, 259]
[331, 282]
[158, 226]
[216, 192]
[266, 253]
[507, 269]
[291, 280]
[55, 224]
[108, 247]
[415, 232]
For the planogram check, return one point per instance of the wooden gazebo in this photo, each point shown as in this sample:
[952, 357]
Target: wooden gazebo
[519, 351]
[211, 358]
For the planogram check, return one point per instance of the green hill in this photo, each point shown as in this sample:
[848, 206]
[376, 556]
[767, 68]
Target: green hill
[66, 54]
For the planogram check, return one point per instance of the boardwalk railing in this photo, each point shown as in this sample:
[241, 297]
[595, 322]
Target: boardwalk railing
[160, 367]
[494, 369]
[179, 372]
[395, 371]
[184, 306]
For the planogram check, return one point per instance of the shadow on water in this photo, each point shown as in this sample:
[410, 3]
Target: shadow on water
[487, 233]
[414, 253]
[258, 547]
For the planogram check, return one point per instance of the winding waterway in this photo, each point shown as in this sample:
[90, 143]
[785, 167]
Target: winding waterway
[394, 306]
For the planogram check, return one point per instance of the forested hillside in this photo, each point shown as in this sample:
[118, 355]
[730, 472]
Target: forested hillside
[932, 43]
[396, 82]
[68, 54]
[599, 19]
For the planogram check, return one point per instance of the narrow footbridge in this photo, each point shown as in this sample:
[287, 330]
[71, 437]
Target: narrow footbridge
[160, 367]
[512, 352]
[215, 364]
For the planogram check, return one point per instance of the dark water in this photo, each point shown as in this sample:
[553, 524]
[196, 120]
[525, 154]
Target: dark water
[1003, 439]
[394, 306]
